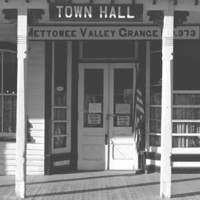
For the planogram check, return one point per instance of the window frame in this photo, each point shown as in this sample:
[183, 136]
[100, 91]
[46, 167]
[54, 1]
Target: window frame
[134, 58]
[5, 136]
[178, 85]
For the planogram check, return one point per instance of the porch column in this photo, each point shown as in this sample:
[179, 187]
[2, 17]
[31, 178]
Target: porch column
[20, 179]
[166, 116]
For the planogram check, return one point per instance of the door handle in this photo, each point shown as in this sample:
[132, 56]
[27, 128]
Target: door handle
[110, 115]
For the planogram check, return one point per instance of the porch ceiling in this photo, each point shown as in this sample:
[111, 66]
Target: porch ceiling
[17, 4]
[192, 5]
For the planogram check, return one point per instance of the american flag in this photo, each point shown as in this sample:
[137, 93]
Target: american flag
[139, 116]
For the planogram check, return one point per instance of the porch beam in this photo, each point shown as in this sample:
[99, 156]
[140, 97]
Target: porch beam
[21, 137]
[166, 110]
[150, 5]
[17, 4]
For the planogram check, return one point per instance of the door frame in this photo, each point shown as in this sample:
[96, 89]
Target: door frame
[81, 68]
[111, 128]
[108, 97]
[60, 162]
[68, 101]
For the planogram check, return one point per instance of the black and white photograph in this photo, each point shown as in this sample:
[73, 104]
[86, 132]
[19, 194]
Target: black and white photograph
[99, 99]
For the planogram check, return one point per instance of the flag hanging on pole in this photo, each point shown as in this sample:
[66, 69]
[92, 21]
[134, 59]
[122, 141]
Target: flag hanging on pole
[139, 116]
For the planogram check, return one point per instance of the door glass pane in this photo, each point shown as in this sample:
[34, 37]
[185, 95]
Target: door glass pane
[60, 74]
[60, 142]
[60, 132]
[60, 114]
[93, 98]
[60, 128]
[123, 97]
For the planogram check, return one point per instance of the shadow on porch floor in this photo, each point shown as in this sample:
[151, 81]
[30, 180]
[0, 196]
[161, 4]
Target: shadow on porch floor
[102, 185]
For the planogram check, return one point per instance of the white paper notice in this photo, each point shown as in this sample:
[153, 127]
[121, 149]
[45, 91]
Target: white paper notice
[123, 108]
[123, 120]
[95, 108]
[94, 119]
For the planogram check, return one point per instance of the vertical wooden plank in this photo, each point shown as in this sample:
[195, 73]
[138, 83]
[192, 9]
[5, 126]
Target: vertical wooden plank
[147, 115]
[69, 90]
[20, 179]
[74, 103]
[48, 102]
[166, 117]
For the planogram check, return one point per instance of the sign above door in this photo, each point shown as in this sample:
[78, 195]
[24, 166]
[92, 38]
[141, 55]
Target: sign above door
[95, 12]
[108, 33]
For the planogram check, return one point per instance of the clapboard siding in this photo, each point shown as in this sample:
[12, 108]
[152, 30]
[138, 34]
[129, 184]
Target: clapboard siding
[12, 146]
[37, 140]
[8, 162]
[36, 91]
[37, 136]
[35, 111]
[35, 158]
[5, 157]
[30, 162]
[29, 152]
[36, 74]
[37, 127]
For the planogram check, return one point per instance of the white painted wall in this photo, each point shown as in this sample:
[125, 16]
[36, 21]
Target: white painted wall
[35, 105]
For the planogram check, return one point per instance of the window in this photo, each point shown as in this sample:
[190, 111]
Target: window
[61, 99]
[155, 94]
[93, 96]
[186, 96]
[110, 50]
[186, 65]
[8, 92]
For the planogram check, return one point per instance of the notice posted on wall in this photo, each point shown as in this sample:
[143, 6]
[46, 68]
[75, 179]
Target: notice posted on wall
[94, 119]
[123, 120]
[95, 108]
[123, 108]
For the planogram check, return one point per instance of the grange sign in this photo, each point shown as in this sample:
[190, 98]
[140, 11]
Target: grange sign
[108, 33]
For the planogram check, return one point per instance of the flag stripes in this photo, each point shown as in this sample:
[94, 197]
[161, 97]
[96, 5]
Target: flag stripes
[139, 101]
[139, 112]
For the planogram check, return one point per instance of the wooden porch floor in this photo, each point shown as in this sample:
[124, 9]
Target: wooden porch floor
[105, 185]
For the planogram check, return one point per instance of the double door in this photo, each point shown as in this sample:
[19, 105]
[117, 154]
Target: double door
[105, 116]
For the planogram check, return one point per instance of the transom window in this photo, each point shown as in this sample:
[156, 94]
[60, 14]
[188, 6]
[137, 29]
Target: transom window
[108, 50]
[8, 91]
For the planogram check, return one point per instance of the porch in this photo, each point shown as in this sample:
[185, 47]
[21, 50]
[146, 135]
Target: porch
[105, 185]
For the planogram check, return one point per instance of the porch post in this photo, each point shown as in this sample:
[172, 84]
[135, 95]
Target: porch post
[20, 178]
[166, 111]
